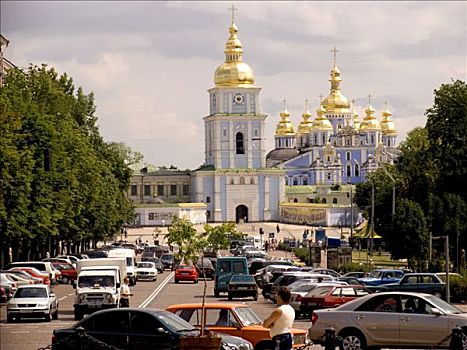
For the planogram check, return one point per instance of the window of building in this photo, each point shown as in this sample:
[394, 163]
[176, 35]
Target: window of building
[347, 156]
[239, 143]
[305, 181]
[224, 132]
[295, 200]
[147, 190]
[252, 181]
[372, 138]
[134, 190]
[173, 190]
[324, 139]
[295, 181]
[357, 170]
[286, 181]
[255, 132]
[329, 176]
[186, 190]
[232, 181]
[334, 201]
[208, 214]
[389, 142]
[324, 201]
[160, 190]
[208, 199]
[328, 158]
[349, 171]
[242, 181]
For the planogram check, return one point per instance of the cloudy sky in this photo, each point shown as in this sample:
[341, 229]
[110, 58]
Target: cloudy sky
[150, 63]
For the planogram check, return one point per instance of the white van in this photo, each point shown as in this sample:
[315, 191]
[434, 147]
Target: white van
[130, 258]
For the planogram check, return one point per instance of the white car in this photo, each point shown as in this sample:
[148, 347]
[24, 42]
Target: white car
[146, 270]
[32, 301]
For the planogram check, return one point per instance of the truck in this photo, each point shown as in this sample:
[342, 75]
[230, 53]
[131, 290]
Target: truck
[418, 282]
[130, 257]
[98, 285]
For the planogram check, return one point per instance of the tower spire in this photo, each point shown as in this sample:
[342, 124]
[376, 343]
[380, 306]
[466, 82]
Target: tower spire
[284, 102]
[233, 9]
[335, 51]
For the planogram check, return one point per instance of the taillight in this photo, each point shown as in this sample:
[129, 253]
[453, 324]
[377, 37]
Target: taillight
[314, 318]
[53, 339]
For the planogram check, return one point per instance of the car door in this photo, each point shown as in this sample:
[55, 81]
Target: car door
[215, 321]
[379, 320]
[419, 326]
[148, 333]
[111, 328]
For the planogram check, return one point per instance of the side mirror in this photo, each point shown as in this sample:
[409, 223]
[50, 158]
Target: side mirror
[52, 295]
[162, 330]
[436, 312]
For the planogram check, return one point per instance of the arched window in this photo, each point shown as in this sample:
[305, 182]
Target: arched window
[239, 143]
[389, 142]
[372, 138]
[357, 170]
[347, 156]
[295, 181]
[232, 181]
[242, 181]
[295, 200]
[349, 173]
[305, 181]
[323, 201]
[334, 201]
[252, 181]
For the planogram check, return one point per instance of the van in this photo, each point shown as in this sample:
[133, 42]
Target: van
[130, 258]
[227, 267]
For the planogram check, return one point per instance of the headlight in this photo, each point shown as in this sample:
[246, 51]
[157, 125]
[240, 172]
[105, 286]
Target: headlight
[81, 297]
[245, 346]
[11, 306]
[42, 305]
[108, 296]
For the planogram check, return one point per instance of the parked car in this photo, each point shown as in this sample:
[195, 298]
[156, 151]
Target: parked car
[168, 260]
[242, 286]
[356, 274]
[146, 271]
[204, 267]
[326, 296]
[186, 273]
[96, 253]
[43, 266]
[8, 285]
[419, 282]
[234, 319]
[382, 276]
[43, 276]
[20, 281]
[32, 301]
[23, 274]
[68, 271]
[226, 268]
[328, 272]
[4, 297]
[298, 293]
[390, 320]
[132, 328]
[156, 261]
[62, 260]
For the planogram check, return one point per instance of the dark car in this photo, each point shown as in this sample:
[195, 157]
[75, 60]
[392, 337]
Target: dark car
[241, 286]
[132, 328]
[205, 268]
[168, 260]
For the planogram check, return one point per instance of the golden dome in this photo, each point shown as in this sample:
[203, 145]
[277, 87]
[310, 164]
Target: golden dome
[306, 124]
[321, 122]
[387, 125]
[356, 122]
[285, 126]
[370, 122]
[336, 102]
[233, 72]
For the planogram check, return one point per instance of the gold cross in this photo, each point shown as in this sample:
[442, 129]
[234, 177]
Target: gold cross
[233, 9]
[386, 104]
[306, 104]
[284, 101]
[335, 51]
[320, 98]
[369, 99]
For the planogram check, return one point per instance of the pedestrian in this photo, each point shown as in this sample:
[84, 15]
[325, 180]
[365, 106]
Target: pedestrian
[266, 246]
[277, 228]
[125, 293]
[281, 320]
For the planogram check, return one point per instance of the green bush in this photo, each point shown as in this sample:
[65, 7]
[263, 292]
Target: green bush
[458, 289]
[353, 267]
[302, 254]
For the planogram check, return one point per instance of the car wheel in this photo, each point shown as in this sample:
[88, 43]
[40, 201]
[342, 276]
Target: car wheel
[255, 298]
[176, 281]
[78, 316]
[48, 317]
[217, 294]
[353, 340]
[9, 319]
[65, 280]
[55, 315]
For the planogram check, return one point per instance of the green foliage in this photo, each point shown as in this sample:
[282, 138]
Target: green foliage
[458, 289]
[302, 254]
[59, 181]
[217, 236]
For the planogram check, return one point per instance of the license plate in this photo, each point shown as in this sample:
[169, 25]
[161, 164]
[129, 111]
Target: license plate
[243, 288]
[185, 273]
[26, 311]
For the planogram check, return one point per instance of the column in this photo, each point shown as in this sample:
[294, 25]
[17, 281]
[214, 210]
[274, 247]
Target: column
[249, 146]
[217, 199]
[231, 145]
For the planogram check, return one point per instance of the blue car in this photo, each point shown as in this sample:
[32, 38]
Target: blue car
[379, 277]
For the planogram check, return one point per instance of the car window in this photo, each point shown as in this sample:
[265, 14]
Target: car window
[173, 322]
[31, 293]
[238, 266]
[248, 316]
[141, 322]
[361, 291]
[219, 318]
[411, 279]
[242, 278]
[109, 322]
[192, 316]
[348, 292]
[380, 303]
[336, 292]
[224, 266]
[319, 292]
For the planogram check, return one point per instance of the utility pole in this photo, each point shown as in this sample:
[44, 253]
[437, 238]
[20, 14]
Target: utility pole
[351, 212]
[372, 223]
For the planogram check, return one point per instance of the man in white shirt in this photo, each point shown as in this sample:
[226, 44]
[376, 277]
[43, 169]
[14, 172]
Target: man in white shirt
[125, 293]
[281, 321]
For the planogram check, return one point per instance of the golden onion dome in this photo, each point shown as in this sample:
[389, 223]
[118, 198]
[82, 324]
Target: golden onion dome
[234, 72]
[370, 122]
[306, 124]
[285, 126]
[336, 102]
[356, 122]
[387, 125]
[321, 122]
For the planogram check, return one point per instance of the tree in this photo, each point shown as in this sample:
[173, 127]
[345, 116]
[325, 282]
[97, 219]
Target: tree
[217, 236]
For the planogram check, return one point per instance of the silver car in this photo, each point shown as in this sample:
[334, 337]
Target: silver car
[32, 301]
[390, 320]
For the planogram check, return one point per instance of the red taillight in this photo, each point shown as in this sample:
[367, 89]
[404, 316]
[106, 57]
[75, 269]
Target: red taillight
[314, 318]
[298, 298]
[53, 339]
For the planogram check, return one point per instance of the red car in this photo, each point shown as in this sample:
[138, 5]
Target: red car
[186, 273]
[35, 273]
[328, 296]
[68, 271]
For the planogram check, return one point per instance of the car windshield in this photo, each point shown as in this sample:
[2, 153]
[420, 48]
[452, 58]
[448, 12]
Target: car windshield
[185, 267]
[31, 293]
[304, 288]
[145, 265]
[242, 278]
[247, 316]
[167, 258]
[204, 263]
[174, 323]
[95, 281]
[376, 274]
[319, 291]
[443, 306]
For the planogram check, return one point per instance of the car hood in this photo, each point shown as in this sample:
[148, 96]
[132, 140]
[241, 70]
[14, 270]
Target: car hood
[145, 270]
[29, 300]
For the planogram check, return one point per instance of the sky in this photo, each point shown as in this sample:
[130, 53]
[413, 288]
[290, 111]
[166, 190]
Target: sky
[151, 63]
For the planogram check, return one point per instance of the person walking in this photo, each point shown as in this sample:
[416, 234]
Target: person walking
[281, 320]
[125, 293]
